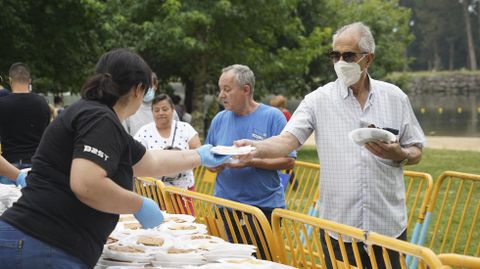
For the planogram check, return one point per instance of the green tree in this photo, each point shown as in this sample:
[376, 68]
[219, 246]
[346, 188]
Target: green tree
[57, 39]
[193, 40]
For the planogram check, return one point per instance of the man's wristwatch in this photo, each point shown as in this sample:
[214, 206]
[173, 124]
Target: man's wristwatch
[405, 160]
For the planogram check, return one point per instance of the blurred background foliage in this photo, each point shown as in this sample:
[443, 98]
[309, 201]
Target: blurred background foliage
[285, 42]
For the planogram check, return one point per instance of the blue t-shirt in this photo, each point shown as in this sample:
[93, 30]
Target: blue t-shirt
[249, 185]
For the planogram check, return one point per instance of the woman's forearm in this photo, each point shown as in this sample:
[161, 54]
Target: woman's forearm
[166, 162]
[8, 170]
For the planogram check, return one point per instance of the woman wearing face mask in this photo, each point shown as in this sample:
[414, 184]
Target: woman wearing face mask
[166, 133]
[144, 113]
[81, 177]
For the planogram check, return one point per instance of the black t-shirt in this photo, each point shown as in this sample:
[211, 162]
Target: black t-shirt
[48, 209]
[23, 119]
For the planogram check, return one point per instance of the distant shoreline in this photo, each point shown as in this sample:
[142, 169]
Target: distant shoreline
[439, 142]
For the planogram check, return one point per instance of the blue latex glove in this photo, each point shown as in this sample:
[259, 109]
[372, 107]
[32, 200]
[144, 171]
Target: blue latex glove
[20, 181]
[149, 214]
[209, 159]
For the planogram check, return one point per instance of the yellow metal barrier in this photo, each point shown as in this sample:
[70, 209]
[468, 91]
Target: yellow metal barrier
[297, 249]
[418, 190]
[460, 261]
[150, 187]
[204, 180]
[232, 221]
[301, 193]
[455, 206]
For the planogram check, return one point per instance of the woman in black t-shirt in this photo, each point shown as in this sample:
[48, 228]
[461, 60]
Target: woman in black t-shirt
[82, 173]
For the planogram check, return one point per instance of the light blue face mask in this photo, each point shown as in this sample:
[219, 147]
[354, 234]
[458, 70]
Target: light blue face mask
[148, 97]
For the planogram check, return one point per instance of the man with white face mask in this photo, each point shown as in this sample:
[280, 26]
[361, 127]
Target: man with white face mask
[361, 186]
[144, 113]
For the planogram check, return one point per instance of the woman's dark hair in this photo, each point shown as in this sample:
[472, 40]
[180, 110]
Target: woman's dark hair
[116, 72]
[162, 97]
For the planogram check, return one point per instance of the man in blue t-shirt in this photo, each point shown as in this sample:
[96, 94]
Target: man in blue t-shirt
[257, 182]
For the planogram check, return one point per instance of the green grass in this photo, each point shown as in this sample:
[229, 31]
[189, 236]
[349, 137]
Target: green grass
[434, 161]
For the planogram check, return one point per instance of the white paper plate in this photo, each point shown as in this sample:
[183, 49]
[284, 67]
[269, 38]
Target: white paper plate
[178, 218]
[133, 240]
[127, 256]
[249, 262]
[119, 263]
[364, 135]
[232, 150]
[178, 229]
[179, 257]
[217, 266]
[125, 267]
[176, 264]
[234, 247]
[202, 237]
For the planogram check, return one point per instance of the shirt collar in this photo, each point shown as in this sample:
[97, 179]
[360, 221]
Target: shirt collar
[346, 91]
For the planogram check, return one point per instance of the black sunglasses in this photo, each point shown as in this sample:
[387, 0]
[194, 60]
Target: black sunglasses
[347, 56]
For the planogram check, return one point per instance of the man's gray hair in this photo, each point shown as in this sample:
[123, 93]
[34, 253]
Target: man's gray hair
[243, 75]
[366, 43]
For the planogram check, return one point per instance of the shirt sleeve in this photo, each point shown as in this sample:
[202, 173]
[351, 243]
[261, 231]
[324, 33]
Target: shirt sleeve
[140, 138]
[412, 132]
[101, 141]
[300, 124]
[191, 132]
[137, 150]
[279, 124]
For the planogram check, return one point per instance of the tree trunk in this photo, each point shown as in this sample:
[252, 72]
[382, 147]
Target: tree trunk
[198, 105]
[472, 60]
[437, 60]
[451, 55]
[200, 80]
[188, 95]
[478, 24]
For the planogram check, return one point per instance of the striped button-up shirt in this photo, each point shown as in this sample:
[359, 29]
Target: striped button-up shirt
[358, 188]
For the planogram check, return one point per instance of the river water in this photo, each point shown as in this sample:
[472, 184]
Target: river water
[447, 114]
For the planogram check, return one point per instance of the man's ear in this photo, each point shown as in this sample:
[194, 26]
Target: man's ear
[370, 58]
[247, 89]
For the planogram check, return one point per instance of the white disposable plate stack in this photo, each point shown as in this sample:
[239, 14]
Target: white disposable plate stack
[229, 250]
[166, 259]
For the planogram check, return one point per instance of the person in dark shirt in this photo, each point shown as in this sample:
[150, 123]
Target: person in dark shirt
[23, 118]
[81, 177]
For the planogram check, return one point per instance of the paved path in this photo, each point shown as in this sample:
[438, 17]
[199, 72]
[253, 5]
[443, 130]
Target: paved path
[441, 142]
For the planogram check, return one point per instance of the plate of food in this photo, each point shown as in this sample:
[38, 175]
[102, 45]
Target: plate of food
[178, 229]
[364, 135]
[178, 218]
[232, 150]
[125, 253]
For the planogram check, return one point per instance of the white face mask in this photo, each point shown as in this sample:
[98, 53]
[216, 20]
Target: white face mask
[348, 73]
[148, 97]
